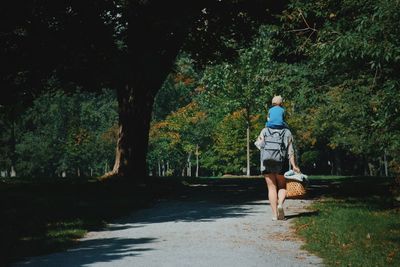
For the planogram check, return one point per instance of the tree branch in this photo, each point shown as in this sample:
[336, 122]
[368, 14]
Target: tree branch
[308, 28]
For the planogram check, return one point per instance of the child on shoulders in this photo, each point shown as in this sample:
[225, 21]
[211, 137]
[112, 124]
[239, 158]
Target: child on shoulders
[276, 114]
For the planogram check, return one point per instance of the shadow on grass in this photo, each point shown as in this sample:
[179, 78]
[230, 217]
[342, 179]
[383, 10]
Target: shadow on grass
[350, 187]
[303, 214]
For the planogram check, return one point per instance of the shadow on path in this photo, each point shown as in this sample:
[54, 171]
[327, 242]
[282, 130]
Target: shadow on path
[94, 251]
[201, 200]
[210, 199]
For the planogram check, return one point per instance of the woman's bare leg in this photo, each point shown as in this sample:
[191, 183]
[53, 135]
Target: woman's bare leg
[270, 178]
[281, 183]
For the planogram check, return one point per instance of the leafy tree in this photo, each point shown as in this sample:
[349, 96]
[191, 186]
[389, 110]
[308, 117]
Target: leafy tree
[69, 133]
[354, 61]
[179, 137]
[335, 63]
[229, 144]
[178, 89]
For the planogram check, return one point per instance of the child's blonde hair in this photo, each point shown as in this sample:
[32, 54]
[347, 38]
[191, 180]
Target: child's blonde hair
[277, 100]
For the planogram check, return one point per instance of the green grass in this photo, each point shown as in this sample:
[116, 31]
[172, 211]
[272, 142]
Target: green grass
[328, 177]
[48, 215]
[359, 230]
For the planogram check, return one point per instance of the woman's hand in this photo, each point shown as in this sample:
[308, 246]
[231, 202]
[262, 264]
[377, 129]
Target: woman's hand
[296, 169]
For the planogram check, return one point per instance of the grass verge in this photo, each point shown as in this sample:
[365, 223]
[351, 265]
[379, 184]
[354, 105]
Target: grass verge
[353, 230]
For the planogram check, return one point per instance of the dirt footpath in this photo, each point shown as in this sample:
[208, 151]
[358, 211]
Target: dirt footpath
[211, 223]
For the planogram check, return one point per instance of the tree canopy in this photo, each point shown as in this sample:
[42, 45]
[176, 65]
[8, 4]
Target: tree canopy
[218, 64]
[336, 65]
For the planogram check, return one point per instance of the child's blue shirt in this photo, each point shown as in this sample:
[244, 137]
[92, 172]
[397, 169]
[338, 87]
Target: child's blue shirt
[276, 116]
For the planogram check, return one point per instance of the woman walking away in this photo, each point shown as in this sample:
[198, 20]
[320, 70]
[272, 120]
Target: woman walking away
[276, 147]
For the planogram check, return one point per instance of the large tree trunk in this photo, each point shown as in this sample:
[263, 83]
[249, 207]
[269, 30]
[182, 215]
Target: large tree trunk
[156, 31]
[134, 123]
[135, 104]
[154, 41]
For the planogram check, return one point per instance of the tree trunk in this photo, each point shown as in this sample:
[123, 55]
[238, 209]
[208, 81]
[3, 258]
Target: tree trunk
[134, 110]
[338, 163]
[13, 154]
[371, 169]
[385, 162]
[12, 172]
[149, 61]
[167, 167]
[189, 165]
[154, 41]
[248, 150]
[197, 160]
[365, 166]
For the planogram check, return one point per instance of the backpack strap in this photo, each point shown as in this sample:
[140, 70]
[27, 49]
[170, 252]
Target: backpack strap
[269, 131]
[265, 132]
[283, 133]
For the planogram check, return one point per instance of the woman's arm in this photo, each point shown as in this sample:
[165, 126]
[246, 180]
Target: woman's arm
[292, 160]
[293, 163]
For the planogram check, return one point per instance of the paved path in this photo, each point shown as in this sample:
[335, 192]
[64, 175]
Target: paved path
[211, 224]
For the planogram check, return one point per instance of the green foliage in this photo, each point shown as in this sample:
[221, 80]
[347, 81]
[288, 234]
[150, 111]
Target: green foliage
[336, 65]
[230, 144]
[178, 88]
[63, 132]
[309, 157]
[350, 51]
[177, 136]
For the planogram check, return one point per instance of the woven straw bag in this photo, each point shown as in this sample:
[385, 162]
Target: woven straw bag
[295, 189]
